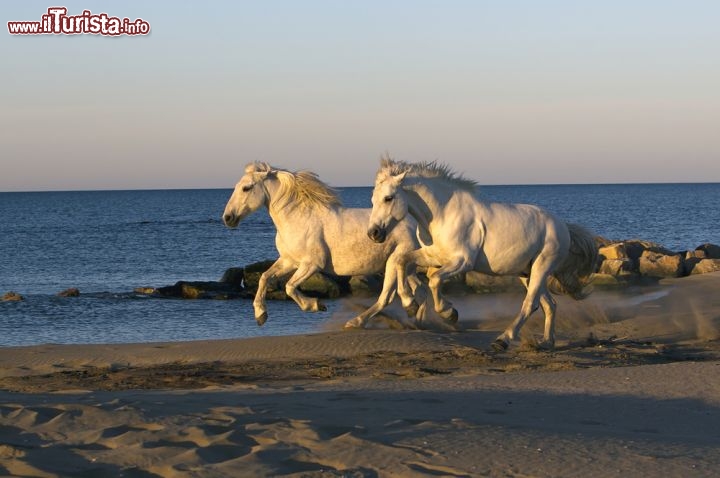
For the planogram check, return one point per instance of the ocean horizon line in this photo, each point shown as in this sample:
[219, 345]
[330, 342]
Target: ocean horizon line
[664, 183]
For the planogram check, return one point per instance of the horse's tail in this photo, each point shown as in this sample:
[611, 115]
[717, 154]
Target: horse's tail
[573, 274]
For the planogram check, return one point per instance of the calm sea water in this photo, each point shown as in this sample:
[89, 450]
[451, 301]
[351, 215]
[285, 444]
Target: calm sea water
[106, 243]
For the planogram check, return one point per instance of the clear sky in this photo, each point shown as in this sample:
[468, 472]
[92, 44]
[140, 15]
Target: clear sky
[507, 92]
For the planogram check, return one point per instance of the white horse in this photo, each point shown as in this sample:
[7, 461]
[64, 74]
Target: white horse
[459, 233]
[315, 233]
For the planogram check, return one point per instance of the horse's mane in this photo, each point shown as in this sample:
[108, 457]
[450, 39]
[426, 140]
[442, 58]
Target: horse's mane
[301, 188]
[425, 169]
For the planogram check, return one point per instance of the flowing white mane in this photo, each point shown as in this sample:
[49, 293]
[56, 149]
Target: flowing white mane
[301, 188]
[426, 169]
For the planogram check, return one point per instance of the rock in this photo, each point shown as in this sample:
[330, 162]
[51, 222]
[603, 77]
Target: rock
[71, 292]
[252, 273]
[318, 285]
[711, 251]
[366, 285]
[602, 241]
[635, 249]
[696, 254]
[606, 280]
[234, 276]
[657, 264]
[484, 283]
[200, 290]
[11, 297]
[276, 295]
[613, 252]
[704, 266]
[616, 267]
[145, 290]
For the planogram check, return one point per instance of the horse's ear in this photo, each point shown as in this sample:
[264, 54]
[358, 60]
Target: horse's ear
[263, 175]
[398, 178]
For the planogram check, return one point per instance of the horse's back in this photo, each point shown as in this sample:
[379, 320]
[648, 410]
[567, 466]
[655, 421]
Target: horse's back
[514, 234]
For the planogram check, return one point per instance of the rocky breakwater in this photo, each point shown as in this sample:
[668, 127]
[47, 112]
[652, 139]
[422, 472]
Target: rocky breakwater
[621, 263]
[242, 283]
[637, 261]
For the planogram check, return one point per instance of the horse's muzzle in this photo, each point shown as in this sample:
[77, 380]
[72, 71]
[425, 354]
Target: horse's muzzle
[377, 234]
[230, 220]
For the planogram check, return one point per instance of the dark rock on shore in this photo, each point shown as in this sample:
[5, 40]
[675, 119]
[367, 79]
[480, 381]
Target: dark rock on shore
[252, 273]
[242, 282]
[482, 283]
[711, 251]
[635, 260]
[200, 290]
[366, 285]
[621, 263]
[703, 266]
[658, 264]
[234, 276]
[71, 292]
[11, 297]
[319, 285]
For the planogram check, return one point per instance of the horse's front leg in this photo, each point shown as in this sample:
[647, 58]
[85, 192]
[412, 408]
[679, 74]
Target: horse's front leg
[386, 296]
[436, 277]
[279, 269]
[390, 284]
[308, 304]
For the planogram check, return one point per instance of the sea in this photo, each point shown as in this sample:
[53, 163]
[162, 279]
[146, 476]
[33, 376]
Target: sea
[107, 243]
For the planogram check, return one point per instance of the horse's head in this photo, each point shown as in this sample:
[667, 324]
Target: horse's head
[249, 194]
[389, 204]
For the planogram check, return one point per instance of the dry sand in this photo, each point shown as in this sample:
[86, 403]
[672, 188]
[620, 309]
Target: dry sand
[640, 397]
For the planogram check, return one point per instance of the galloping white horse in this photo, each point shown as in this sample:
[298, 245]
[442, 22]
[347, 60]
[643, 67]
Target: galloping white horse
[315, 233]
[459, 233]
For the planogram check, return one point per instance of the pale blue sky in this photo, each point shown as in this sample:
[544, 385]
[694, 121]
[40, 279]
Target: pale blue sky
[508, 92]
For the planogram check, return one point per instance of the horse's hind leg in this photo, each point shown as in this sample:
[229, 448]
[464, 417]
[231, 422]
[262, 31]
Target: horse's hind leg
[279, 269]
[537, 293]
[308, 304]
[548, 305]
[530, 304]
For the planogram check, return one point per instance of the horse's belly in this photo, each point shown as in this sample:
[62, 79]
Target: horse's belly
[369, 260]
[508, 261]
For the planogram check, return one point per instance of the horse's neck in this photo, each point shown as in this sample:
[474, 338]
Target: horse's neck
[281, 212]
[285, 214]
[426, 202]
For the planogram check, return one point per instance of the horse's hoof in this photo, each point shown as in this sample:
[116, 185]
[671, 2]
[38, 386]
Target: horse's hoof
[546, 345]
[353, 324]
[261, 319]
[452, 317]
[500, 345]
[412, 309]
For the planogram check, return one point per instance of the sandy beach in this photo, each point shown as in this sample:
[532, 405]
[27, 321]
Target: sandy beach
[632, 389]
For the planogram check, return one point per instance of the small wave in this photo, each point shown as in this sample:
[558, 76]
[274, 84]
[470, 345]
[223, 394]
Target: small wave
[172, 222]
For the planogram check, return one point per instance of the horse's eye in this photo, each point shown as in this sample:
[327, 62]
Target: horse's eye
[389, 198]
[247, 188]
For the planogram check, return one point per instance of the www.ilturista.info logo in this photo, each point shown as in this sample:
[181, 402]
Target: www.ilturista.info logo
[58, 22]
